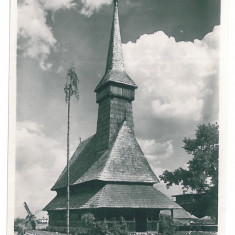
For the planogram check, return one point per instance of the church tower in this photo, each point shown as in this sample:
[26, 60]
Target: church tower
[115, 91]
[109, 174]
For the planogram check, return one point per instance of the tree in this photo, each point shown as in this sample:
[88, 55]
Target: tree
[202, 173]
[70, 89]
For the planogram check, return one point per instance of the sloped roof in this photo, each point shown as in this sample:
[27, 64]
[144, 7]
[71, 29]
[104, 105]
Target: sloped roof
[115, 76]
[123, 162]
[115, 196]
[115, 71]
[130, 196]
[80, 162]
[77, 200]
[180, 214]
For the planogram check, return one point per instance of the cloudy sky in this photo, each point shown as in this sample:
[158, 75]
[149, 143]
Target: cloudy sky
[171, 51]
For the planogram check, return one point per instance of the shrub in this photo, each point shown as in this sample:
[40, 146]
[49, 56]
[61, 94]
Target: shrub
[118, 228]
[89, 226]
[167, 226]
[19, 225]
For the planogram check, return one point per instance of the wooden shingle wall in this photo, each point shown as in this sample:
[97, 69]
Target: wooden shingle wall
[115, 105]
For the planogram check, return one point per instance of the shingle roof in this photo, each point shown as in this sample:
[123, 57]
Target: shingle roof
[115, 196]
[80, 162]
[124, 162]
[115, 71]
[116, 76]
[130, 196]
[77, 200]
[180, 214]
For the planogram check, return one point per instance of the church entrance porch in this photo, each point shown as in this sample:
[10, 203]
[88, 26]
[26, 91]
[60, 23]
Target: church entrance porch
[139, 221]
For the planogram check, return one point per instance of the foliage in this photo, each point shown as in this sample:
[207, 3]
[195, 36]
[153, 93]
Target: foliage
[202, 172]
[102, 227]
[19, 225]
[71, 86]
[167, 226]
[118, 228]
[89, 226]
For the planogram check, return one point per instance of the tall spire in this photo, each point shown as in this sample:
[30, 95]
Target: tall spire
[115, 70]
[115, 91]
[115, 56]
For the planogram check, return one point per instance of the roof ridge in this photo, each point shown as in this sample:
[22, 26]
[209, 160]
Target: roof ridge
[130, 155]
[109, 150]
[111, 146]
[74, 157]
[96, 198]
[103, 155]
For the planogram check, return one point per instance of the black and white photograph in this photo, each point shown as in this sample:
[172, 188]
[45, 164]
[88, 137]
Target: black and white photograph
[117, 126]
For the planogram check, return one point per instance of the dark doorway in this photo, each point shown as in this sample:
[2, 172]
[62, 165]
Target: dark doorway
[141, 220]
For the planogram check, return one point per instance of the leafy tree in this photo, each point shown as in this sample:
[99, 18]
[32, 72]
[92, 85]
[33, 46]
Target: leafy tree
[70, 89]
[202, 173]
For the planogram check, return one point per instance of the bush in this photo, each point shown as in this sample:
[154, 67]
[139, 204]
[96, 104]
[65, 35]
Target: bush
[19, 226]
[118, 228]
[89, 226]
[167, 226]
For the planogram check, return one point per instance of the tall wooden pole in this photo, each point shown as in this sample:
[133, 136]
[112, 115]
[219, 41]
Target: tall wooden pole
[68, 189]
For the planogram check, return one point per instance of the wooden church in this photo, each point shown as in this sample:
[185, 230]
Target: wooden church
[109, 174]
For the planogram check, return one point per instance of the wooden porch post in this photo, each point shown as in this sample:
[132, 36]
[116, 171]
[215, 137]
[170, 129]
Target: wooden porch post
[147, 220]
[134, 221]
[104, 215]
[172, 214]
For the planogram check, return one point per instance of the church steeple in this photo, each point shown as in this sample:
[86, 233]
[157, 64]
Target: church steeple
[115, 70]
[115, 56]
[115, 91]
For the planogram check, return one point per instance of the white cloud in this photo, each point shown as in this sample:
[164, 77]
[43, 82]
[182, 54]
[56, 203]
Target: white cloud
[55, 5]
[91, 6]
[60, 69]
[155, 152]
[178, 108]
[39, 161]
[35, 37]
[176, 78]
